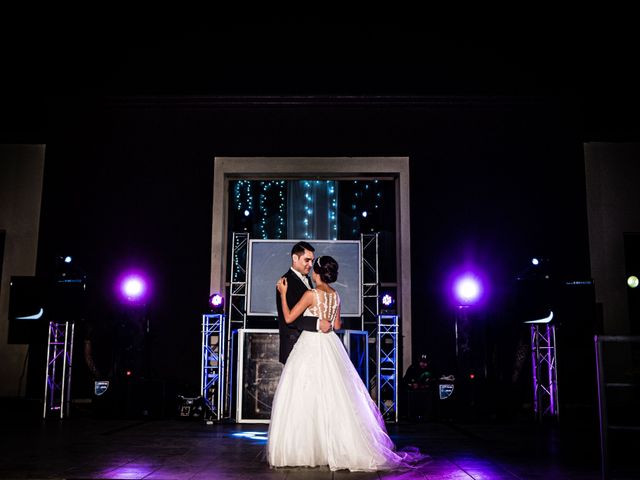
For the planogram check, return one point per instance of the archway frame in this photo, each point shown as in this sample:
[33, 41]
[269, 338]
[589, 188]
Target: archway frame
[227, 169]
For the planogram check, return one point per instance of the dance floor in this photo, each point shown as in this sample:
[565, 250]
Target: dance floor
[84, 447]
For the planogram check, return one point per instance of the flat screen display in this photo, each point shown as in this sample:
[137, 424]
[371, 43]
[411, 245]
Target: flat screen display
[270, 259]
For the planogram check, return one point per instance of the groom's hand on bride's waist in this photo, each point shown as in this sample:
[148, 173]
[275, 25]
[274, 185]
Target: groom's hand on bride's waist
[325, 326]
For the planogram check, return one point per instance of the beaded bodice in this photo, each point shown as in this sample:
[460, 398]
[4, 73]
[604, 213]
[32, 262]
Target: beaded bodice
[325, 305]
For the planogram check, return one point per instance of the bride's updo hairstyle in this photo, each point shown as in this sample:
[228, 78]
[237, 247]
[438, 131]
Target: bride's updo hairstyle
[327, 268]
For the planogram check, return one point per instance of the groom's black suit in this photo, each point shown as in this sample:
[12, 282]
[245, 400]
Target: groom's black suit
[289, 333]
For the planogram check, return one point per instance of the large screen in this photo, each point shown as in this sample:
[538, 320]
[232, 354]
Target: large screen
[270, 259]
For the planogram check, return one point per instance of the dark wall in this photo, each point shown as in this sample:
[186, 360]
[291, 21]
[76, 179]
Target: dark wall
[494, 181]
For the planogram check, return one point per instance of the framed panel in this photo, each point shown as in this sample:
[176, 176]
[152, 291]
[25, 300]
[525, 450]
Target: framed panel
[258, 374]
[259, 370]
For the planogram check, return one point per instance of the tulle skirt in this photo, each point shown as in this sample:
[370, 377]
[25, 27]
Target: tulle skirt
[322, 414]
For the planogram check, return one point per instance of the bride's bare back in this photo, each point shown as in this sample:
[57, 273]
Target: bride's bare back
[325, 305]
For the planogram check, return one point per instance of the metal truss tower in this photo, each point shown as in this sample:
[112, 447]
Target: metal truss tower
[57, 385]
[545, 371]
[387, 371]
[238, 286]
[237, 305]
[212, 373]
[370, 304]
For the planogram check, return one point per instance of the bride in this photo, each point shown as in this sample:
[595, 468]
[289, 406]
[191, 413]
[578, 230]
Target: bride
[322, 413]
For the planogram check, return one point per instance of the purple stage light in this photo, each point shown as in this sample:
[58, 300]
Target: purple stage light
[216, 300]
[133, 287]
[387, 300]
[216, 303]
[468, 288]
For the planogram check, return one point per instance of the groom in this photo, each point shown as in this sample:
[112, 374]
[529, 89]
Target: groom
[299, 282]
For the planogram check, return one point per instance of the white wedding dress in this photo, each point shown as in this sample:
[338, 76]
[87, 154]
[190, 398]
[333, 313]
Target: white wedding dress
[322, 414]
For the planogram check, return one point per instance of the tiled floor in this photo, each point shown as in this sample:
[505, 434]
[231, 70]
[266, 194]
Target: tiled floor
[89, 448]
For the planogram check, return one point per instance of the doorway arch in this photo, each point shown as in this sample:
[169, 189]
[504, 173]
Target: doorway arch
[227, 169]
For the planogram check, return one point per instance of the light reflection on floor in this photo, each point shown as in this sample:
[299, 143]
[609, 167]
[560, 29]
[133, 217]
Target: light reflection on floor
[173, 449]
[251, 435]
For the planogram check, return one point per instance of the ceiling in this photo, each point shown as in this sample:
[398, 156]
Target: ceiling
[590, 66]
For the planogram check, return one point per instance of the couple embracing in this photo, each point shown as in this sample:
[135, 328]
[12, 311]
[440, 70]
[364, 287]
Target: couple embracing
[322, 414]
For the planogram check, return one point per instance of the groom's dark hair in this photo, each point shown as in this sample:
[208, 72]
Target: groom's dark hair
[300, 247]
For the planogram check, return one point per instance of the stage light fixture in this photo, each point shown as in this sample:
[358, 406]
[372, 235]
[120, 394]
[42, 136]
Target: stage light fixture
[387, 303]
[133, 288]
[67, 259]
[216, 303]
[468, 286]
[387, 300]
[535, 261]
[467, 289]
[632, 281]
